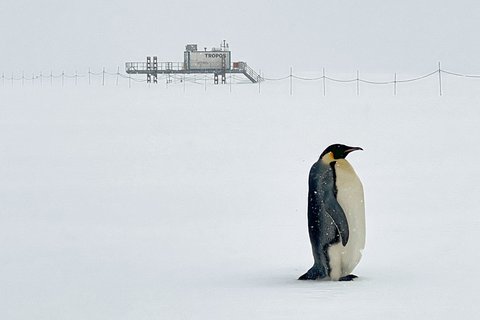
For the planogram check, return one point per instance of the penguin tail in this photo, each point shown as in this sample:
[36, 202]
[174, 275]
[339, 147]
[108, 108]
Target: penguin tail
[313, 274]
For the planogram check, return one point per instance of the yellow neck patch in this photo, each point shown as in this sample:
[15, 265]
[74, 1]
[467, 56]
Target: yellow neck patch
[327, 158]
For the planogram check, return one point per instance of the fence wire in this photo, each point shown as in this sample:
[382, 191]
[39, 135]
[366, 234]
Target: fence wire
[201, 79]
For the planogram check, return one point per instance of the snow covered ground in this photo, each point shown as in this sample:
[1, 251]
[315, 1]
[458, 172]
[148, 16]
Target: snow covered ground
[154, 203]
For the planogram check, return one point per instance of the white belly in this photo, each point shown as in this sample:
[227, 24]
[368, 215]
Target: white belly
[350, 197]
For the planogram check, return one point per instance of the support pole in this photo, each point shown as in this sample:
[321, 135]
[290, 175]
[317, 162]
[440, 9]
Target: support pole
[258, 80]
[149, 67]
[51, 78]
[103, 77]
[76, 77]
[23, 78]
[155, 69]
[89, 77]
[118, 73]
[63, 78]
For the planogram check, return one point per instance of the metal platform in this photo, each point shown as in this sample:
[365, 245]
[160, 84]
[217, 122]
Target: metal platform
[152, 68]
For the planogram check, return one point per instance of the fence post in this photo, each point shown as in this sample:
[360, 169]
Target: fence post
[395, 84]
[358, 84]
[440, 78]
[324, 86]
[291, 82]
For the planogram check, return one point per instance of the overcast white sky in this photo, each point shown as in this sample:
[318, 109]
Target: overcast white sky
[370, 35]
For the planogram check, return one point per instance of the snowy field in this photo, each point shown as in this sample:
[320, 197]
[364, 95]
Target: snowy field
[155, 203]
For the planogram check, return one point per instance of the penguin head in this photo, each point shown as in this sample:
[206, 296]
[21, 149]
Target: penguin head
[336, 152]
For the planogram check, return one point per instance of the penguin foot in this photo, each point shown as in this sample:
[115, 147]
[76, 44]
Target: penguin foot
[312, 274]
[350, 277]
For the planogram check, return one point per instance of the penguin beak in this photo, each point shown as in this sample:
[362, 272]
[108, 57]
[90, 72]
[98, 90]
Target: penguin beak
[350, 149]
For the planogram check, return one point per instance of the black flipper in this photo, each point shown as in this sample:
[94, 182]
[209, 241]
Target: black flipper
[335, 211]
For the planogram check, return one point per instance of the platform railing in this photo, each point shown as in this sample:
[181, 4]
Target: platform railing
[143, 66]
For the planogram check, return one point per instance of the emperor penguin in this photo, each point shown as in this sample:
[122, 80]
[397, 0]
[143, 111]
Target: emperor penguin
[336, 216]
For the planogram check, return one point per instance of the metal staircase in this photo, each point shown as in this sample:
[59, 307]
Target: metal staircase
[242, 67]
